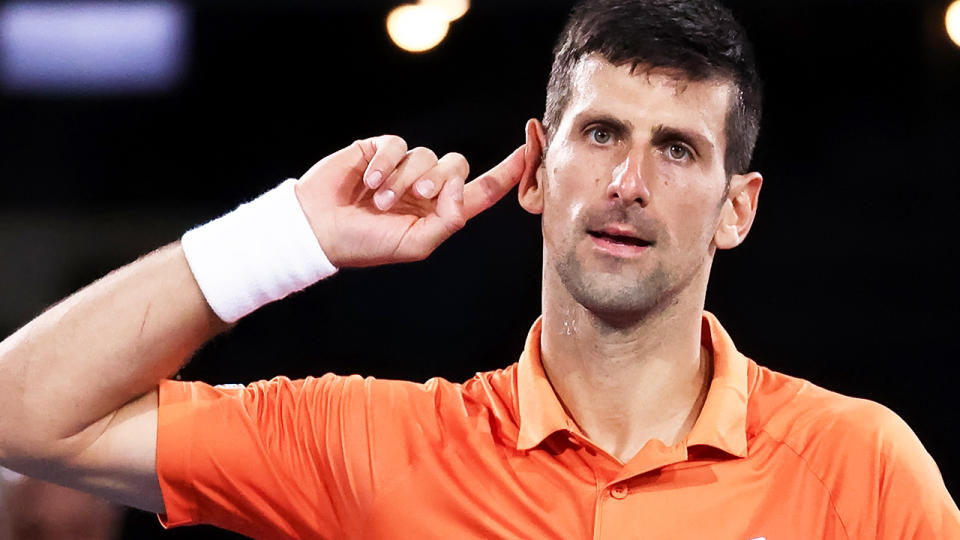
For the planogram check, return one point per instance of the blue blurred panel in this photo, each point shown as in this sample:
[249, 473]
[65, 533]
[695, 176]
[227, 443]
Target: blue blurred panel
[92, 48]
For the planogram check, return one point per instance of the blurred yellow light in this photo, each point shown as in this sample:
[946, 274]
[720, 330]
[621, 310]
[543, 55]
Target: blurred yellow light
[417, 27]
[452, 9]
[953, 22]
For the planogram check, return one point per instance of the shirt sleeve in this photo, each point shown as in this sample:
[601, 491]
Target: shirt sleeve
[913, 500]
[882, 482]
[282, 458]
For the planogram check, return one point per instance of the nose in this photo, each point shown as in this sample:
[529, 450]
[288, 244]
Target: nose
[629, 184]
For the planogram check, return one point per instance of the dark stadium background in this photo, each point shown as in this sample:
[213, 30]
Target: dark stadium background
[847, 279]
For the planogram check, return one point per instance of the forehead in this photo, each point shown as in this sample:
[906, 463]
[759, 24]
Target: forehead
[656, 96]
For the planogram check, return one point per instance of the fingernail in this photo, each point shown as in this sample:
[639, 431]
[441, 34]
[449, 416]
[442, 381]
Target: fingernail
[373, 179]
[425, 188]
[384, 199]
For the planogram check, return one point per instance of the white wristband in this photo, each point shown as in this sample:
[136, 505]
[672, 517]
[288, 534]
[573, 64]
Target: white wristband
[259, 253]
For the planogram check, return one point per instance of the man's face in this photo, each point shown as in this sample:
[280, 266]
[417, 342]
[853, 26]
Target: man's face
[633, 185]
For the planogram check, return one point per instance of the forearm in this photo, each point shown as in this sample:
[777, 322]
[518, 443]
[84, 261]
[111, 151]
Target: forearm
[97, 350]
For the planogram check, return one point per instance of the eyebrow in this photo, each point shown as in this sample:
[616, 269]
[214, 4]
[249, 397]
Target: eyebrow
[662, 134]
[592, 117]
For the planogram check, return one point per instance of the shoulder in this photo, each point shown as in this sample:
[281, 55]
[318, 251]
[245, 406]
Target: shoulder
[862, 453]
[839, 438]
[807, 417]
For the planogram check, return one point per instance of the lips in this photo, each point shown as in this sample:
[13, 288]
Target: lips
[619, 236]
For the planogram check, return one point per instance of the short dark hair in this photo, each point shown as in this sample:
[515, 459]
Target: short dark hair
[700, 38]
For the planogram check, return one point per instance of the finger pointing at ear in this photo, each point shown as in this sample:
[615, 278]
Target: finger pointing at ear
[488, 188]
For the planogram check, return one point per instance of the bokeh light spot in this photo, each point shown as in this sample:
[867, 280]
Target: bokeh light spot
[417, 27]
[953, 22]
[452, 9]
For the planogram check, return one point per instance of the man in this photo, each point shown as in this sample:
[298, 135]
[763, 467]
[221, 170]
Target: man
[629, 414]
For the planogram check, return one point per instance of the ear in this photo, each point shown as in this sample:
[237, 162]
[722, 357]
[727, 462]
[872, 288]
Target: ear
[530, 190]
[739, 209]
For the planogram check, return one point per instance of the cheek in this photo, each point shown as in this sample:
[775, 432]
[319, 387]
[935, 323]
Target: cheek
[561, 210]
[695, 212]
[566, 189]
[563, 196]
[579, 173]
[560, 184]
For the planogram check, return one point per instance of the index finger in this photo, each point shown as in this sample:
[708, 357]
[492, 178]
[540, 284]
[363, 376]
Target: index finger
[488, 188]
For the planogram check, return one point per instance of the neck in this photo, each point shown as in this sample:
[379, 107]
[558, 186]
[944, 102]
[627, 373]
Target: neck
[626, 384]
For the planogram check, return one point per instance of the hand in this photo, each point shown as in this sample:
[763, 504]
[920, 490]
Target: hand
[374, 202]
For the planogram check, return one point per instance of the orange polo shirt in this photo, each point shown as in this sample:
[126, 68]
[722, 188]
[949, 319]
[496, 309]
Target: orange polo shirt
[771, 457]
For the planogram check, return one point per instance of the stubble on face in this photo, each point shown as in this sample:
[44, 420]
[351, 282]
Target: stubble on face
[611, 292]
[622, 291]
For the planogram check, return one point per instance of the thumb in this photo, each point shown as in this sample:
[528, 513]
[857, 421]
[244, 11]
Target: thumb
[488, 188]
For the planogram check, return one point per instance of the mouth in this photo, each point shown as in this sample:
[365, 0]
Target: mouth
[622, 239]
[619, 242]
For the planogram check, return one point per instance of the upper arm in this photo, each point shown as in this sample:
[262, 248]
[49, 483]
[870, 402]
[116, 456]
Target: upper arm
[291, 458]
[114, 457]
[267, 459]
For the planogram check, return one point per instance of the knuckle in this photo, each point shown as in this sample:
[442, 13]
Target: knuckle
[389, 145]
[456, 223]
[425, 154]
[362, 146]
[490, 194]
[457, 163]
[395, 141]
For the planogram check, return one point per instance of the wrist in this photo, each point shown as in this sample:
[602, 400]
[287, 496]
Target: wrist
[259, 253]
[319, 228]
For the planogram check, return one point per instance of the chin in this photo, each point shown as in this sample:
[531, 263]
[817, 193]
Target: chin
[626, 309]
[616, 299]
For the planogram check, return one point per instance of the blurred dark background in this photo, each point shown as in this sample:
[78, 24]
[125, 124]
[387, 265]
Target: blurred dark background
[846, 279]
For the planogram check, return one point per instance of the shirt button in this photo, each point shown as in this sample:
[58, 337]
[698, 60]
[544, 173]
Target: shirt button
[619, 491]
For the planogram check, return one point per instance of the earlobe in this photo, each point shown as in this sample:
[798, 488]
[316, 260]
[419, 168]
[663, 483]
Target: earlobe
[739, 210]
[530, 190]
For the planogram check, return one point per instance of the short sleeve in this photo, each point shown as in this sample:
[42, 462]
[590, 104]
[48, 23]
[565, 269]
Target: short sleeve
[279, 458]
[914, 501]
[884, 483]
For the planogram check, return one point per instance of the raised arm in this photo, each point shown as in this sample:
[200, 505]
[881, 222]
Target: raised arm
[78, 400]
[77, 383]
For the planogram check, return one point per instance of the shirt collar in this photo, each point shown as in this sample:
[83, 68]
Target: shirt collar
[722, 422]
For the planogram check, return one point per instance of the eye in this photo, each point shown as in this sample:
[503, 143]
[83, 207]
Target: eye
[678, 152]
[601, 135]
